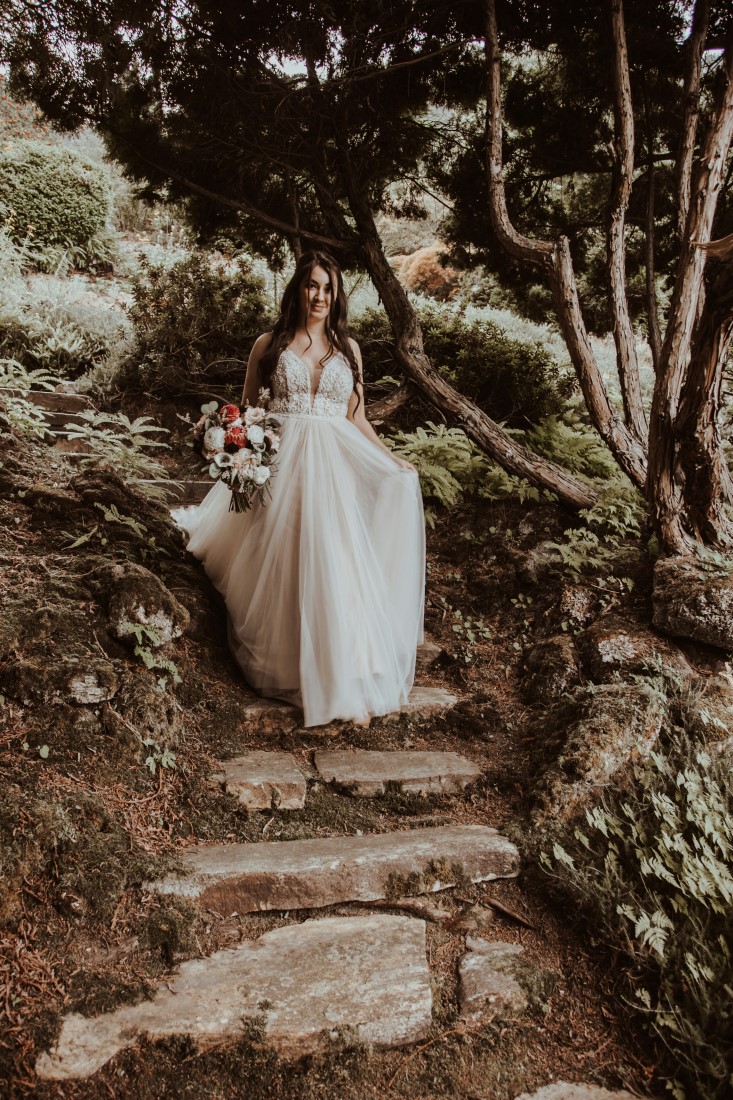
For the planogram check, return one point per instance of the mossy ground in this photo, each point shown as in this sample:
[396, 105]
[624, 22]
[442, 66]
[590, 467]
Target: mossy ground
[84, 824]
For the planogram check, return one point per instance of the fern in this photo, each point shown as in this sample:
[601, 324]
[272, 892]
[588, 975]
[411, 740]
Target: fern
[24, 417]
[123, 445]
[655, 872]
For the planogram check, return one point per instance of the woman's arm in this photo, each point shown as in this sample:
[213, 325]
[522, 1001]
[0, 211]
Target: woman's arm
[357, 414]
[251, 391]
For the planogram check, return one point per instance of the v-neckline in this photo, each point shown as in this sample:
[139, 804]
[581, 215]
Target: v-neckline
[312, 396]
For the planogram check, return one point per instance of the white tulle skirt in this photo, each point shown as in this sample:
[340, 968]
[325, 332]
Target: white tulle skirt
[325, 583]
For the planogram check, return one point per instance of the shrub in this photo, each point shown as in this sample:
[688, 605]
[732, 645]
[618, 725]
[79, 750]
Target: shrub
[654, 873]
[450, 466]
[512, 380]
[52, 195]
[194, 323]
[52, 322]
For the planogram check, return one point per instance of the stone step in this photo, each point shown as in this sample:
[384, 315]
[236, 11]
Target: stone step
[308, 874]
[184, 492]
[70, 448]
[53, 400]
[271, 716]
[303, 981]
[264, 780]
[57, 420]
[366, 774]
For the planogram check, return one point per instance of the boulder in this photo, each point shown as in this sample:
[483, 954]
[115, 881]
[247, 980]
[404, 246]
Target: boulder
[613, 648]
[551, 670]
[595, 741]
[81, 680]
[135, 597]
[707, 708]
[693, 600]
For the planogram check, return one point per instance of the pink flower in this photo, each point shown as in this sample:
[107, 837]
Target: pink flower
[273, 440]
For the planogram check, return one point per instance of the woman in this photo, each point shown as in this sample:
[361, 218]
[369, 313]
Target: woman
[324, 583]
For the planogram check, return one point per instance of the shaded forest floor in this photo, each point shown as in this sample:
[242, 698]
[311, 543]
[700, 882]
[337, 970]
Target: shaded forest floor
[86, 821]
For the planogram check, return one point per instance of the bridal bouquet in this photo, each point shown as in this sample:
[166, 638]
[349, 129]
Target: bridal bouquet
[240, 446]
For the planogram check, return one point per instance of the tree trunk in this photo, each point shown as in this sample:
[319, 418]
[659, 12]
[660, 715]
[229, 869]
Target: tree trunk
[623, 171]
[701, 456]
[665, 497]
[691, 98]
[384, 409]
[488, 435]
[557, 262]
[652, 303]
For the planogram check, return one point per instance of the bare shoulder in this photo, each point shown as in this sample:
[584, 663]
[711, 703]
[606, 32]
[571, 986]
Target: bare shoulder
[260, 346]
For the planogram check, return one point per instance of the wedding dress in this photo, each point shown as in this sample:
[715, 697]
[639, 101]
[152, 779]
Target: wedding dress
[324, 584]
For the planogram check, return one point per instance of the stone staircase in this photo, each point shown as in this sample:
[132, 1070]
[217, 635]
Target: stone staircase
[61, 409]
[345, 972]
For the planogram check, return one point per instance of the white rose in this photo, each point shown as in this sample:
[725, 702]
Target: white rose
[254, 415]
[261, 474]
[255, 435]
[214, 440]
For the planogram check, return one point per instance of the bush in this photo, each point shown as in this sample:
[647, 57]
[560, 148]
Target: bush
[654, 873]
[513, 381]
[52, 322]
[194, 324]
[52, 195]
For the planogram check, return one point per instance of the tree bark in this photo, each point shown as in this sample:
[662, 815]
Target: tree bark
[416, 366]
[623, 171]
[664, 494]
[652, 302]
[383, 410]
[691, 98]
[697, 427]
[556, 260]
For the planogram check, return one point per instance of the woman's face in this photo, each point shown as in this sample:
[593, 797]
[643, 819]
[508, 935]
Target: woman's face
[316, 295]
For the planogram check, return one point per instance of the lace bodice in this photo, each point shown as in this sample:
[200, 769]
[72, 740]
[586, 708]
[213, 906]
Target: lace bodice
[291, 386]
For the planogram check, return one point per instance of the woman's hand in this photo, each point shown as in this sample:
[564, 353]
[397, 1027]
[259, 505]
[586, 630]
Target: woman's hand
[403, 463]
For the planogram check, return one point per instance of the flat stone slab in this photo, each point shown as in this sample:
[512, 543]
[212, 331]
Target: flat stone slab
[563, 1090]
[366, 774]
[486, 985]
[427, 700]
[303, 982]
[308, 874]
[264, 780]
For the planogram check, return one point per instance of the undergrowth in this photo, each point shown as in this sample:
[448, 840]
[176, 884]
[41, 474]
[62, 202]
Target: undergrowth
[653, 871]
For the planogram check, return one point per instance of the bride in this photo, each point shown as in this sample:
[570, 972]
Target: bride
[324, 583]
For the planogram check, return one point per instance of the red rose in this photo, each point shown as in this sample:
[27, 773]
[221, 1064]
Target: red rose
[229, 413]
[236, 437]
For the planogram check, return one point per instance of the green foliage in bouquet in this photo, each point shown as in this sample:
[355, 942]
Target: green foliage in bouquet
[194, 324]
[653, 871]
[51, 195]
[512, 380]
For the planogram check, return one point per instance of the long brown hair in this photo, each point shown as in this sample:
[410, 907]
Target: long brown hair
[285, 327]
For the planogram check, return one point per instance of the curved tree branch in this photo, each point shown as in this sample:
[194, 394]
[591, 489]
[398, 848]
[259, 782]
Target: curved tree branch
[623, 172]
[557, 262]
